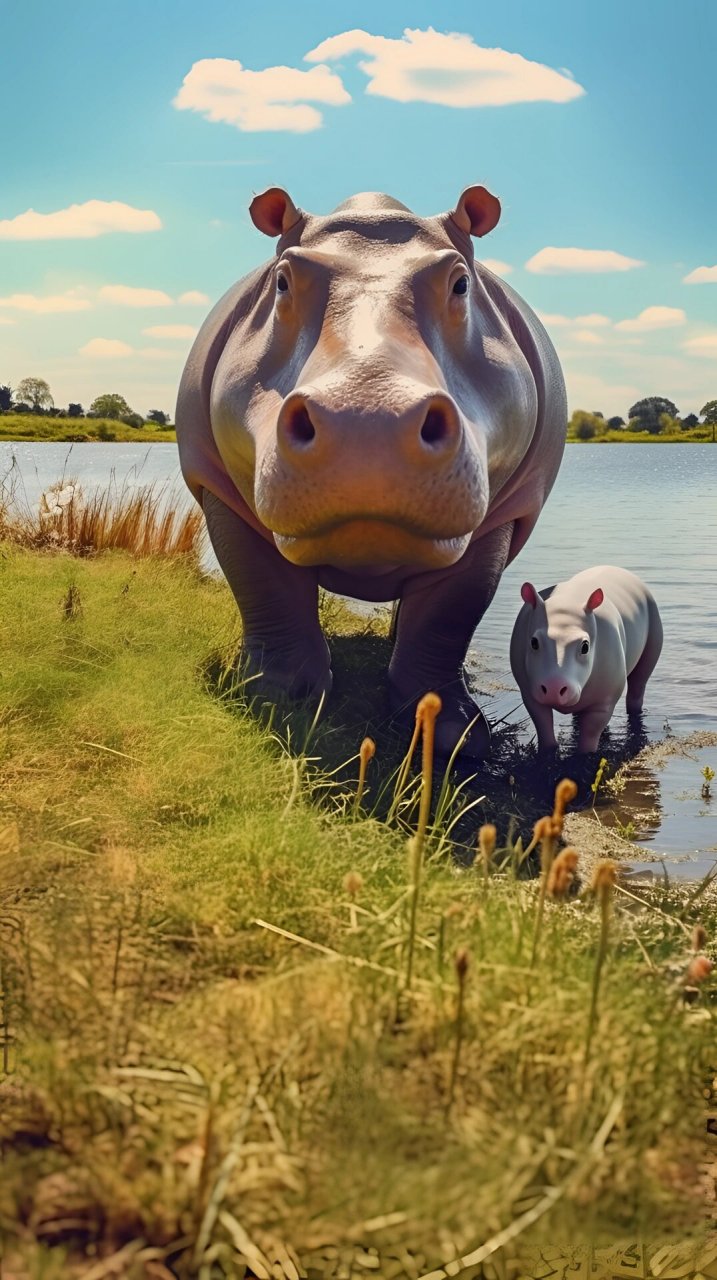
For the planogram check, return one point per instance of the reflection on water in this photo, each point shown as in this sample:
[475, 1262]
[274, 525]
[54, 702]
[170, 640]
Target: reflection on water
[650, 508]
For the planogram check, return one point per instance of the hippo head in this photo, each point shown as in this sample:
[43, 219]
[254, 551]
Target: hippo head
[560, 647]
[372, 399]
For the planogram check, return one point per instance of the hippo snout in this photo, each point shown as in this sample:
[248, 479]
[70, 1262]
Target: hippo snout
[557, 692]
[311, 433]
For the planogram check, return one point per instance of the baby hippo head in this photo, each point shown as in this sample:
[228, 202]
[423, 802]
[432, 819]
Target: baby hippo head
[560, 644]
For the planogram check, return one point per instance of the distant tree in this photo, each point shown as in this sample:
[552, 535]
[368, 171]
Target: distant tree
[584, 425]
[5, 398]
[598, 414]
[110, 405]
[36, 393]
[648, 412]
[690, 422]
[669, 426]
[20, 407]
[709, 413]
[157, 416]
[616, 423]
[75, 411]
[132, 420]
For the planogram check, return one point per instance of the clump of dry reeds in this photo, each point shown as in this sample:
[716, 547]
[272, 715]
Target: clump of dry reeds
[147, 521]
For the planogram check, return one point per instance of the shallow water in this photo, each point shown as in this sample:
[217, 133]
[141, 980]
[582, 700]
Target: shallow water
[651, 508]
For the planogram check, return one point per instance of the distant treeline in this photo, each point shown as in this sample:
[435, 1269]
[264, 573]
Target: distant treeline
[654, 416]
[33, 395]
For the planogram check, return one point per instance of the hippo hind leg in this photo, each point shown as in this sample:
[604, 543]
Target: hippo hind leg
[640, 674]
[433, 628]
[283, 647]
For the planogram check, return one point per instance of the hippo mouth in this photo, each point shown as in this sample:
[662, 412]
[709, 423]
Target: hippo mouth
[371, 543]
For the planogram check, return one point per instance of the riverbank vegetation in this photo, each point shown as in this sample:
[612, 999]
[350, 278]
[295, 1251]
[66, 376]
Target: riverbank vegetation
[30, 426]
[29, 412]
[654, 419]
[253, 1028]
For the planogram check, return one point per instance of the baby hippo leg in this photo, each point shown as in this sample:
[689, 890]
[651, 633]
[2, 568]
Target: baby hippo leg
[590, 726]
[283, 646]
[542, 718]
[639, 676]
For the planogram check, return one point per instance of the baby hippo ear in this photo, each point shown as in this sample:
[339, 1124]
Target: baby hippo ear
[274, 212]
[477, 211]
[595, 599]
[529, 594]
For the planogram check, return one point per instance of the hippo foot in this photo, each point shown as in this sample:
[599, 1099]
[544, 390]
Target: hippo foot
[293, 675]
[460, 715]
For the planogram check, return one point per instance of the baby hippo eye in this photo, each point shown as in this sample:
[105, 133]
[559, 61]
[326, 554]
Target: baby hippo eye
[585, 646]
[282, 283]
[534, 642]
[461, 285]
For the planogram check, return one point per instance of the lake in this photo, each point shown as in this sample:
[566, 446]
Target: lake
[651, 508]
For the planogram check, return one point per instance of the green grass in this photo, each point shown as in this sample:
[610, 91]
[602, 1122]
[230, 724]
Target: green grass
[30, 426]
[216, 1097]
[698, 435]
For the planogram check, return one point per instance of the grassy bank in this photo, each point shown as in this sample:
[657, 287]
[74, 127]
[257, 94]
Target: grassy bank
[30, 426]
[699, 435]
[211, 1065]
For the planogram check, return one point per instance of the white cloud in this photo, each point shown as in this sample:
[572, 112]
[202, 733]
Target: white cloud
[593, 321]
[124, 295]
[193, 298]
[702, 275]
[6, 320]
[552, 261]
[52, 303]
[79, 222]
[653, 318]
[106, 348]
[496, 266]
[448, 69]
[552, 320]
[705, 345]
[171, 331]
[587, 338]
[590, 391]
[221, 89]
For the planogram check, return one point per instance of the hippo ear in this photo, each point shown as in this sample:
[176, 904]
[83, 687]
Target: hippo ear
[477, 211]
[595, 599]
[529, 594]
[274, 212]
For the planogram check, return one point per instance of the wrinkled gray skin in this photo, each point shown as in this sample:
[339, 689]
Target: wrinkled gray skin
[376, 413]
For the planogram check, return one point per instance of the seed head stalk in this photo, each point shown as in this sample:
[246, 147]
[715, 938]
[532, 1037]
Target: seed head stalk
[426, 713]
[461, 963]
[367, 751]
[603, 885]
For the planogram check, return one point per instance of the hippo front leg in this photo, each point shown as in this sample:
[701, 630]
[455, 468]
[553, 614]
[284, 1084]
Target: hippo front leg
[542, 718]
[283, 645]
[591, 724]
[436, 620]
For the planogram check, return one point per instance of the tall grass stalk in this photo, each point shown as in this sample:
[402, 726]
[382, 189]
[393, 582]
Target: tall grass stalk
[603, 885]
[461, 964]
[426, 714]
[367, 751]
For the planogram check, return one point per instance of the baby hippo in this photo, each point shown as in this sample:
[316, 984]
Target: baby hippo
[575, 644]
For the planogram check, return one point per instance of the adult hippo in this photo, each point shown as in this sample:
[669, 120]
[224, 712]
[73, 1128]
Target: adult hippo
[376, 413]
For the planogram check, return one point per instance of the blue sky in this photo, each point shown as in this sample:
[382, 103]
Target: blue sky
[603, 141]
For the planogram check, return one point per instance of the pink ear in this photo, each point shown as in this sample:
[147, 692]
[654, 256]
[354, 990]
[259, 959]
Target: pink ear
[274, 212]
[529, 594]
[477, 211]
[595, 599]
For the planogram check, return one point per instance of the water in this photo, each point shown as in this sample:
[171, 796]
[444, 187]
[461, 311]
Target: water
[651, 508]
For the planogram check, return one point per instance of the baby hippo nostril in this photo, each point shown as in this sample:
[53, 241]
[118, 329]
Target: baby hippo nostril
[435, 427]
[300, 428]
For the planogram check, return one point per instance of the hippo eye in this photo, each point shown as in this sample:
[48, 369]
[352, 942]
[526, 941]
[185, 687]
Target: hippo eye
[282, 283]
[534, 642]
[585, 646]
[461, 285]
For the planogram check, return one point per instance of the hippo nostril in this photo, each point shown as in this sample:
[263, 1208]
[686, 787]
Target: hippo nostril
[544, 689]
[435, 428]
[564, 690]
[300, 428]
